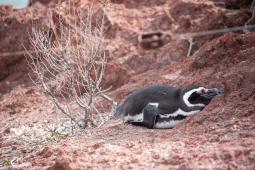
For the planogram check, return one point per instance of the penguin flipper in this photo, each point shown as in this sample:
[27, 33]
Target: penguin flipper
[150, 113]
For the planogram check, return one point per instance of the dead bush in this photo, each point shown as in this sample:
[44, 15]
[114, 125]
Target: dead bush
[68, 64]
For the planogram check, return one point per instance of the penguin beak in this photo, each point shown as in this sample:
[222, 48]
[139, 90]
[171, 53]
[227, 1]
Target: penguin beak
[210, 93]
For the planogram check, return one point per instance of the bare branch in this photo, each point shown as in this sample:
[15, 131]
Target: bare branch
[70, 67]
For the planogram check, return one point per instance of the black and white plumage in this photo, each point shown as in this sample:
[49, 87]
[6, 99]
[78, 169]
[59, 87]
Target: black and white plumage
[162, 106]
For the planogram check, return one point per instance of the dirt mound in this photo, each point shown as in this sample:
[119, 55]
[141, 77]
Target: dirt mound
[15, 29]
[228, 50]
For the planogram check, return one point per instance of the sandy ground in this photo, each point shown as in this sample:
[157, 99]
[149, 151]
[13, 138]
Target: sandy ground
[35, 135]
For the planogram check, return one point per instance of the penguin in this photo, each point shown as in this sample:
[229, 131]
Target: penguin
[163, 106]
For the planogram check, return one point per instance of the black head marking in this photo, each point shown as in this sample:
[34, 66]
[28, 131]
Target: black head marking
[196, 98]
[203, 95]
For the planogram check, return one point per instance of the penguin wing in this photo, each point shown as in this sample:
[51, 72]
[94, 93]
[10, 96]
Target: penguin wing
[137, 101]
[167, 107]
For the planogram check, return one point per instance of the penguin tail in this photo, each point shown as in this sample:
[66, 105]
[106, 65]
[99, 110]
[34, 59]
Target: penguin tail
[119, 114]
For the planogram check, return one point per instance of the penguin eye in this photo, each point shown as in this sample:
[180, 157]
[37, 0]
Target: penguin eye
[201, 92]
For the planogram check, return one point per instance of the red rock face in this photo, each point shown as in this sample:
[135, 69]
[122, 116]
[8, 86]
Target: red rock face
[222, 136]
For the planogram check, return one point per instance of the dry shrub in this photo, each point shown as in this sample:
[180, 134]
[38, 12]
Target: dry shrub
[69, 63]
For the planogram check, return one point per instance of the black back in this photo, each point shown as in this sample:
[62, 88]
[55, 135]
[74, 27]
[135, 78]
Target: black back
[167, 97]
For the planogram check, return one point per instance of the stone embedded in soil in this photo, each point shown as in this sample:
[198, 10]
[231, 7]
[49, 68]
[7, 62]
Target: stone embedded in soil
[63, 163]
[46, 152]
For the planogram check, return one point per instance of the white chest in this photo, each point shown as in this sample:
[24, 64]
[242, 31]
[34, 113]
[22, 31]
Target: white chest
[167, 124]
[161, 123]
[179, 112]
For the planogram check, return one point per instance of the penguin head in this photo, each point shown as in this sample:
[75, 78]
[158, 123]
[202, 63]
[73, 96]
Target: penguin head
[200, 96]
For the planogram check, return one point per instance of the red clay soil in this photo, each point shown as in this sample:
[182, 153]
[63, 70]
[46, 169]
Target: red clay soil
[222, 136]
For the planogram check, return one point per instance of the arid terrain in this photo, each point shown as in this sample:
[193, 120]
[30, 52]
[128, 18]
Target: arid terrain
[222, 136]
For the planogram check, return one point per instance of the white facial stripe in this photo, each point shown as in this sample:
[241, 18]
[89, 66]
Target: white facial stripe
[203, 90]
[188, 94]
[167, 124]
[179, 112]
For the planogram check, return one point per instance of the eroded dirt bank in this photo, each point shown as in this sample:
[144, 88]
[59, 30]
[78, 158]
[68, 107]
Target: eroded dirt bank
[222, 136]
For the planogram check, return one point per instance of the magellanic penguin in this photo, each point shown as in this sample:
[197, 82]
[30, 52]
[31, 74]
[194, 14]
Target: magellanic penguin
[162, 106]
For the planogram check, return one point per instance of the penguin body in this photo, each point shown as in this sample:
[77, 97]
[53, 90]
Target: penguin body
[162, 106]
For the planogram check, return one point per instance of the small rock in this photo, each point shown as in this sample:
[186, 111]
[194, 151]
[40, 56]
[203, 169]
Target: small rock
[46, 152]
[63, 164]
[7, 130]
